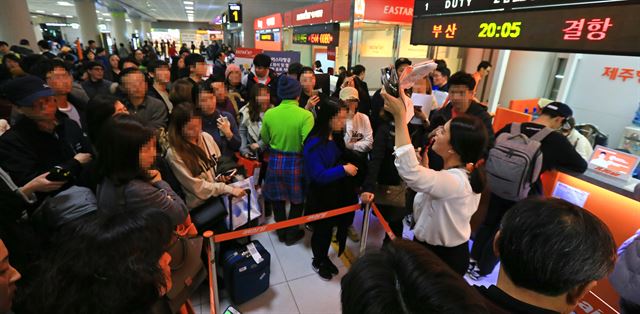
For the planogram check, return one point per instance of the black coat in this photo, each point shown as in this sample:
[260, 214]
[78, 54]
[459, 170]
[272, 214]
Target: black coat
[26, 152]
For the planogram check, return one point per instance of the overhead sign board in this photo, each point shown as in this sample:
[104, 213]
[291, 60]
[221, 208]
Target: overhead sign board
[324, 35]
[605, 30]
[268, 22]
[453, 7]
[235, 13]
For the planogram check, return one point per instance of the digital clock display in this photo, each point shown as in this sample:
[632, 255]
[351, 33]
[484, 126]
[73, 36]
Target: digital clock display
[324, 35]
[607, 30]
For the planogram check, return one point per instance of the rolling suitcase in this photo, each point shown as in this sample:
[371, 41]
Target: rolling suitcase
[246, 271]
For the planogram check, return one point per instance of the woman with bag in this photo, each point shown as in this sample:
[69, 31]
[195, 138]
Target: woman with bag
[331, 183]
[127, 152]
[446, 199]
[192, 156]
[251, 121]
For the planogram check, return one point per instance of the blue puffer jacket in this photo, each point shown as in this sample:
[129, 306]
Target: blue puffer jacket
[626, 275]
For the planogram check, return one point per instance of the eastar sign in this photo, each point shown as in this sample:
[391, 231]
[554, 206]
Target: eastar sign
[306, 15]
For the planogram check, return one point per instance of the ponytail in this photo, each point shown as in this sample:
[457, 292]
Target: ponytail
[478, 179]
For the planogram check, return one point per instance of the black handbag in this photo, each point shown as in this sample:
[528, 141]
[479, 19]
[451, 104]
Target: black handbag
[209, 215]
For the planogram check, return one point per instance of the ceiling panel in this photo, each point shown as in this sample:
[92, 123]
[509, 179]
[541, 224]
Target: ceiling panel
[174, 10]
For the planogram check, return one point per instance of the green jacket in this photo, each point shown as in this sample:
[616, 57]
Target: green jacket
[285, 127]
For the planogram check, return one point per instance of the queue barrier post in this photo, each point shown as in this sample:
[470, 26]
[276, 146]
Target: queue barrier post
[213, 275]
[365, 228]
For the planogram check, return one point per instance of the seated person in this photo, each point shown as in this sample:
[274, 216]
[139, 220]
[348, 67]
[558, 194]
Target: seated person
[221, 125]
[552, 253]
[406, 278]
[577, 140]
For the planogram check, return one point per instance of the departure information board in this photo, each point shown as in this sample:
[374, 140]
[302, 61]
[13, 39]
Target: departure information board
[610, 29]
[440, 7]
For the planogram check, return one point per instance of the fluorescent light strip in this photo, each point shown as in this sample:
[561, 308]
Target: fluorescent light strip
[188, 3]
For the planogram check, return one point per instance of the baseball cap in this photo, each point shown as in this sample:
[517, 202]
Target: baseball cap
[560, 109]
[349, 93]
[24, 91]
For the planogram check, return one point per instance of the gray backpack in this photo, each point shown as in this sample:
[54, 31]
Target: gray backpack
[514, 163]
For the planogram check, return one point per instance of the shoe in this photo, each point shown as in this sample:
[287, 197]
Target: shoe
[353, 234]
[293, 237]
[282, 235]
[331, 266]
[308, 227]
[320, 268]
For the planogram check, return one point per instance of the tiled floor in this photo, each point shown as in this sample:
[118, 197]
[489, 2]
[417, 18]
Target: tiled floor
[295, 287]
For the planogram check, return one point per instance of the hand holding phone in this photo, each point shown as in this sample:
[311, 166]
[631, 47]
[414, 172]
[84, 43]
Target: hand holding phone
[58, 174]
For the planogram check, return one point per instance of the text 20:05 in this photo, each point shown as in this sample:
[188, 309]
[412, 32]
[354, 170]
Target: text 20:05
[506, 30]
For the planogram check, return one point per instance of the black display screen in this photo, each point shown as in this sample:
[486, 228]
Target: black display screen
[452, 7]
[324, 34]
[606, 30]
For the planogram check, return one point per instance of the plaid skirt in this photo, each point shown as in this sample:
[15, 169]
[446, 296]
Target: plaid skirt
[284, 180]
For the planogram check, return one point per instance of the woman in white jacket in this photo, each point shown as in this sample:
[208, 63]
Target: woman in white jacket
[358, 133]
[192, 156]
[446, 199]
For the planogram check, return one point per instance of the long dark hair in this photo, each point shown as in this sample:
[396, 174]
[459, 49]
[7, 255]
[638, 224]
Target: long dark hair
[254, 106]
[119, 149]
[469, 140]
[192, 155]
[109, 266]
[99, 110]
[322, 127]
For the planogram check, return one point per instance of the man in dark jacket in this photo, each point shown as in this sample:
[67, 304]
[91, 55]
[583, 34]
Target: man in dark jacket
[552, 253]
[461, 102]
[262, 74]
[96, 84]
[39, 141]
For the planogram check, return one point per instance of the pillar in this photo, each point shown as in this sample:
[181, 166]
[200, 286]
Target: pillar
[136, 25]
[119, 28]
[86, 13]
[146, 29]
[15, 23]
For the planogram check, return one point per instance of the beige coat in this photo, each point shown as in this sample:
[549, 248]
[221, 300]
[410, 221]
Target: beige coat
[199, 188]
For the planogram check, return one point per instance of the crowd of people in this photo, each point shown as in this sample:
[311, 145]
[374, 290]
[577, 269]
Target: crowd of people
[104, 157]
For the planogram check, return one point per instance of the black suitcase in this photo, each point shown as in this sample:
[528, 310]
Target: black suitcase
[246, 275]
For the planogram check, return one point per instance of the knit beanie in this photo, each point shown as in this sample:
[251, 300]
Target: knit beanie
[231, 68]
[288, 88]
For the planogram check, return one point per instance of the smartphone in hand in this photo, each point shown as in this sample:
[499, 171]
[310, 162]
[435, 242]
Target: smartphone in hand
[58, 174]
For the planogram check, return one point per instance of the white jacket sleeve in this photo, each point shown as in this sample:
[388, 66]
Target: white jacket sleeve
[364, 126]
[197, 186]
[438, 184]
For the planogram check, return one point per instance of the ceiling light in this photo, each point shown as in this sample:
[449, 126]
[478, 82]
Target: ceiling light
[106, 14]
[56, 14]
[188, 8]
[65, 3]
[189, 12]
[100, 18]
[188, 2]
[39, 11]
[97, 11]
[128, 20]
[69, 16]
[108, 20]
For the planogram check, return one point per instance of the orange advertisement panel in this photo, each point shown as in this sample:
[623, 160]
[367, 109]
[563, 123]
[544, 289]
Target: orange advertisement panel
[620, 213]
[613, 163]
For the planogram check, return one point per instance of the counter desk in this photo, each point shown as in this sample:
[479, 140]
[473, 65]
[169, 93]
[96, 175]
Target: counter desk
[613, 204]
